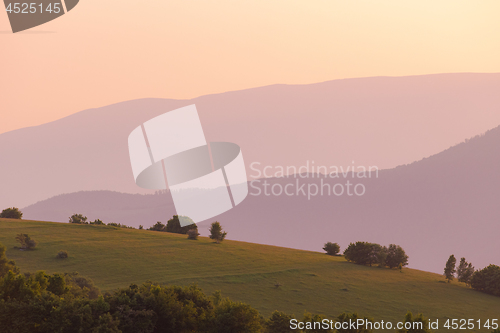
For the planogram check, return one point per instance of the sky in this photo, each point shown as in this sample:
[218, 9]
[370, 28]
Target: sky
[104, 52]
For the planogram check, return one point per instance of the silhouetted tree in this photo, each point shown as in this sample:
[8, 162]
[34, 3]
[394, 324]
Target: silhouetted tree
[78, 218]
[158, 227]
[216, 232]
[465, 271]
[331, 248]
[11, 213]
[449, 269]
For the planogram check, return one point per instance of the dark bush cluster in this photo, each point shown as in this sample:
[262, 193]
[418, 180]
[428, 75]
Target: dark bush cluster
[364, 253]
[174, 225]
[11, 213]
[487, 280]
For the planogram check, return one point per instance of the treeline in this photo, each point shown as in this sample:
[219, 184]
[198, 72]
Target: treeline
[486, 280]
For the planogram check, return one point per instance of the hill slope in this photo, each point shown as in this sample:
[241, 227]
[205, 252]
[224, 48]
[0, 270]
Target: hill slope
[243, 271]
[383, 121]
[444, 204]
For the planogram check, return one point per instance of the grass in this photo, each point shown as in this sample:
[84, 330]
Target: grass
[312, 281]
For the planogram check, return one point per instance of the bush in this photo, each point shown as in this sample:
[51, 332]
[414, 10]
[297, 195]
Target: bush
[98, 222]
[158, 227]
[487, 280]
[62, 255]
[216, 232]
[331, 248]
[78, 219]
[26, 242]
[193, 234]
[11, 213]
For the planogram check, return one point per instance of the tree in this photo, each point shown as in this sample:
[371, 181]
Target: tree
[487, 280]
[216, 232]
[6, 265]
[97, 222]
[26, 242]
[11, 213]
[78, 218]
[364, 253]
[352, 317]
[396, 256]
[158, 227]
[279, 322]
[174, 225]
[449, 269]
[418, 324]
[465, 271]
[331, 248]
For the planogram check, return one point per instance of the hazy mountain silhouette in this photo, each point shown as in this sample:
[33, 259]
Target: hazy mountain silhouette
[448, 203]
[379, 121]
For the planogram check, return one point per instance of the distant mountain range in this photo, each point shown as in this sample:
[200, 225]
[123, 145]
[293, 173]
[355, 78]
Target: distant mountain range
[446, 204]
[382, 121]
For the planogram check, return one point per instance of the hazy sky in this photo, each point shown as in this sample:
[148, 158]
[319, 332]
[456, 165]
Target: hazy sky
[104, 52]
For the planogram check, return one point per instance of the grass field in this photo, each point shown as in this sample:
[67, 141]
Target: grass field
[247, 272]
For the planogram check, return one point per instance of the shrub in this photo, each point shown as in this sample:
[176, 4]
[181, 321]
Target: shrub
[11, 213]
[26, 242]
[97, 222]
[141, 227]
[158, 227]
[78, 219]
[216, 232]
[331, 248]
[62, 255]
[193, 234]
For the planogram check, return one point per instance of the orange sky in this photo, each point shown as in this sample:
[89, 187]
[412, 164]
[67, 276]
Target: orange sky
[104, 52]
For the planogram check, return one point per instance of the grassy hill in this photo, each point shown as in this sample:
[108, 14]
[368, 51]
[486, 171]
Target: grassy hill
[311, 281]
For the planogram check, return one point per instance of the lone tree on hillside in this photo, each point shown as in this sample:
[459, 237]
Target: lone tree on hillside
[78, 218]
[216, 232]
[449, 269]
[331, 248]
[26, 242]
[465, 271]
[11, 213]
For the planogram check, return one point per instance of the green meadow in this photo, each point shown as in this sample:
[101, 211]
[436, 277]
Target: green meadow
[308, 281]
